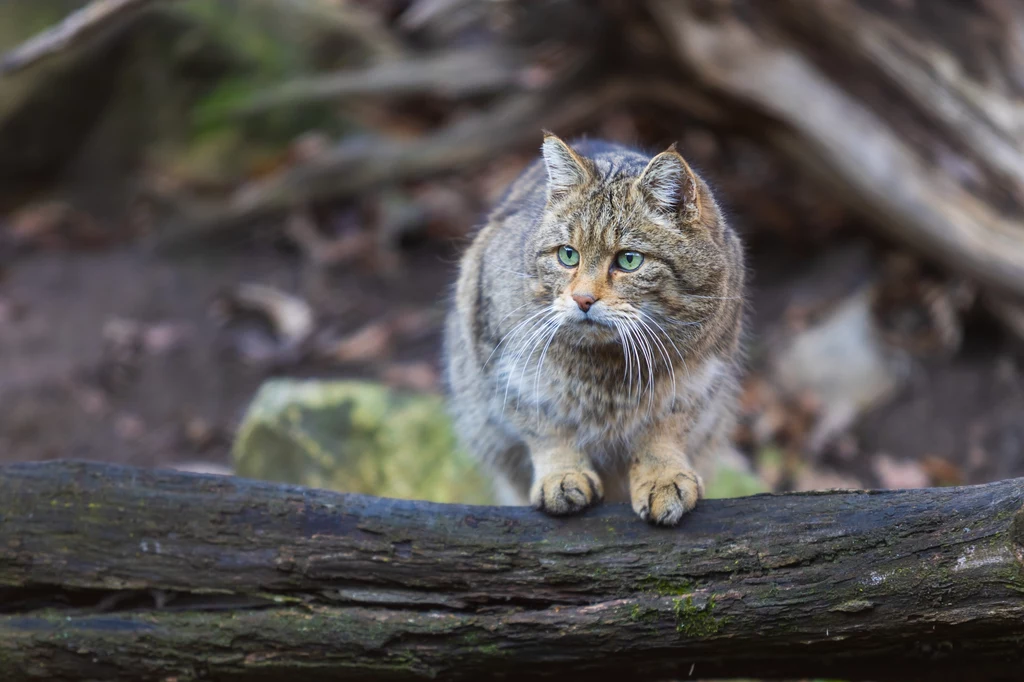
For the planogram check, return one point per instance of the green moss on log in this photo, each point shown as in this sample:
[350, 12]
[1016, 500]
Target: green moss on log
[664, 587]
[694, 619]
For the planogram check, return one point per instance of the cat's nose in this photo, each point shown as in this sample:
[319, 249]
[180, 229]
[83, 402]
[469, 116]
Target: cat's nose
[584, 301]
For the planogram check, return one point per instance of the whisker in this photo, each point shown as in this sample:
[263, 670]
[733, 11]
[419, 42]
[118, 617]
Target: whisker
[627, 347]
[508, 336]
[663, 351]
[540, 367]
[538, 328]
[631, 353]
[669, 337]
[535, 341]
[523, 275]
[714, 298]
[649, 360]
[528, 326]
[638, 351]
[514, 310]
[628, 370]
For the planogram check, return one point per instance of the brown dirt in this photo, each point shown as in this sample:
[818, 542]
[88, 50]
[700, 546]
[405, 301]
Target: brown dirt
[73, 387]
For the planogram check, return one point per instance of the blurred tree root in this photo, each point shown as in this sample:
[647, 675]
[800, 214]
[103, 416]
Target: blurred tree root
[119, 573]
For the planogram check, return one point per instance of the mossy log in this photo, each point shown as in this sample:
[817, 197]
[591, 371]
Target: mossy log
[118, 573]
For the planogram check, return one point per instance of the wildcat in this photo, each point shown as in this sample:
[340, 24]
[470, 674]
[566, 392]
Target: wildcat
[593, 347]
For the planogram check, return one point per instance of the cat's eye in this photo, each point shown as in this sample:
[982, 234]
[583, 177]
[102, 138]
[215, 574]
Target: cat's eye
[629, 260]
[568, 256]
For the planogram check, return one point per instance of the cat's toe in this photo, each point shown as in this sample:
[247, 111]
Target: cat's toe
[664, 499]
[566, 492]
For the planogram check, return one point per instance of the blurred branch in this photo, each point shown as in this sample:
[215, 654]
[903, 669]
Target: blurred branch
[354, 22]
[365, 163]
[420, 13]
[1009, 311]
[460, 73]
[82, 25]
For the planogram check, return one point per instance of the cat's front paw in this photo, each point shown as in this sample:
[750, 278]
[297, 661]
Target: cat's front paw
[662, 496]
[566, 492]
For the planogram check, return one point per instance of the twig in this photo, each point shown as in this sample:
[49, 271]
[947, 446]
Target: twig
[453, 74]
[95, 17]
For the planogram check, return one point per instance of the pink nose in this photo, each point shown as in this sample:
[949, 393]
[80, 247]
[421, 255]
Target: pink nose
[584, 301]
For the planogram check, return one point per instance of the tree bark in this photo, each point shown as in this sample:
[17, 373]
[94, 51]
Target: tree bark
[118, 573]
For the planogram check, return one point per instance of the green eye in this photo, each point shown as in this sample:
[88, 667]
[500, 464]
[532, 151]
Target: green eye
[568, 256]
[629, 260]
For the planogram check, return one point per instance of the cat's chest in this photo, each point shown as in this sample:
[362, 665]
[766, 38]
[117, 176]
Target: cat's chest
[603, 394]
[602, 398]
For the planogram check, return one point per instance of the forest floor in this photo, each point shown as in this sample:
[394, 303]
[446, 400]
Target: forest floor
[115, 354]
[111, 351]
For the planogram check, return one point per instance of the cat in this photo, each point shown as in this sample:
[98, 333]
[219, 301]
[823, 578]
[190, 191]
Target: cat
[594, 344]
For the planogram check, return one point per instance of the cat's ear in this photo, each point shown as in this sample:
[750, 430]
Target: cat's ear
[670, 185]
[566, 168]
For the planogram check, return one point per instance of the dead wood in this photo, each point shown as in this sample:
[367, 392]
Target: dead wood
[454, 74]
[365, 163]
[119, 573]
[910, 118]
[95, 18]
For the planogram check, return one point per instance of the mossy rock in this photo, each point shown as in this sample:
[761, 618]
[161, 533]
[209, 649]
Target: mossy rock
[730, 482]
[356, 437]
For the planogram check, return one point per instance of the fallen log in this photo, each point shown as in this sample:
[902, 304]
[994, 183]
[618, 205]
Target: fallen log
[119, 573]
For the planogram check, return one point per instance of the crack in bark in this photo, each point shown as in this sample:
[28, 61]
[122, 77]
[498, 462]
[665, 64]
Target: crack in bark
[252, 579]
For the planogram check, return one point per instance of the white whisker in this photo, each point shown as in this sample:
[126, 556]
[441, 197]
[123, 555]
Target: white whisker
[524, 329]
[627, 373]
[631, 342]
[540, 366]
[512, 332]
[669, 337]
[536, 340]
[663, 351]
[662, 329]
[714, 298]
[521, 275]
[513, 311]
[528, 344]
[648, 353]
[627, 358]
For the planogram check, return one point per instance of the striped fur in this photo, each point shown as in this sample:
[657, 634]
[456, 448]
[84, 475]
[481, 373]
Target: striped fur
[632, 399]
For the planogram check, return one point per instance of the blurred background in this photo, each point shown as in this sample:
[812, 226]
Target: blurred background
[228, 230]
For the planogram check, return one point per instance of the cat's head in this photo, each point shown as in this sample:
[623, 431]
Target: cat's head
[625, 244]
